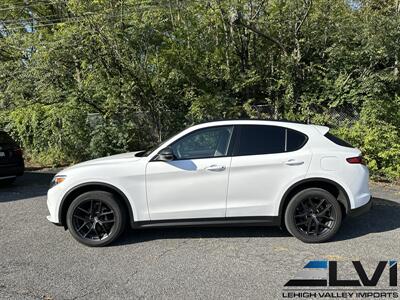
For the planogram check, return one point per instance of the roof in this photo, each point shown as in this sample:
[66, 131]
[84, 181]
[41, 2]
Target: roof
[288, 124]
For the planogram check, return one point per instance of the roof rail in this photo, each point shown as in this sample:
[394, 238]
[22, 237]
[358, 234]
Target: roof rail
[247, 119]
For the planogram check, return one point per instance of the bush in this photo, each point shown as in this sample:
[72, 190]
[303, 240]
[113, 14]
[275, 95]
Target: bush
[380, 145]
[50, 135]
[59, 135]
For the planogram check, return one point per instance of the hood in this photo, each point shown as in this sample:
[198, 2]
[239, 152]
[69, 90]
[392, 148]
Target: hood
[113, 159]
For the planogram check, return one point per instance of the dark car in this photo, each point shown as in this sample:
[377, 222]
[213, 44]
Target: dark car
[11, 159]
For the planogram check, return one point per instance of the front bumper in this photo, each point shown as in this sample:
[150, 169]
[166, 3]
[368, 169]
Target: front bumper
[54, 196]
[49, 218]
[362, 209]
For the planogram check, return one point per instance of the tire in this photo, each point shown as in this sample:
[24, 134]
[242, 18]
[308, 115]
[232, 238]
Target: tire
[96, 218]
[313, 216]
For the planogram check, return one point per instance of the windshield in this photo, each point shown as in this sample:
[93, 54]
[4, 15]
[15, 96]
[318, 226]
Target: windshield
[151, 149]
[154, 147]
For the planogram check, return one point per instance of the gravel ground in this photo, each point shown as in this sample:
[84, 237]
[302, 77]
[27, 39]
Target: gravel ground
[42, 261]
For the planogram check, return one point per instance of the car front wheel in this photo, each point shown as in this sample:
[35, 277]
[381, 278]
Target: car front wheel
[96, 218]
[313, 215]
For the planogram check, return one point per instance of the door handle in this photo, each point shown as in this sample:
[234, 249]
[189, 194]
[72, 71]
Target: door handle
[215, 168]
[293, 162]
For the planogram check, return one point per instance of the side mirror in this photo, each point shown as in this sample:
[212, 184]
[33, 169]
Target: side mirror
[166, 154]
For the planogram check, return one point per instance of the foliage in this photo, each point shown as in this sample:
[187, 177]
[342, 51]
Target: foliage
[82, 79]
[54, 135]
[380, 143]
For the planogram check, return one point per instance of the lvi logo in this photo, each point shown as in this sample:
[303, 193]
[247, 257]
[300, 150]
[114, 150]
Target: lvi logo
[324, 273]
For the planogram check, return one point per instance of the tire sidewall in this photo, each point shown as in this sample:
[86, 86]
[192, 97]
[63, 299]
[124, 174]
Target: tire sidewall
[110, 200]
[294, 202]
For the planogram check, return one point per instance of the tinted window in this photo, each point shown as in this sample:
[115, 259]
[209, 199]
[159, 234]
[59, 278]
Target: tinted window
[261, 139]
[5, 138]
[207, 142]
[337, 140]
[294, 140]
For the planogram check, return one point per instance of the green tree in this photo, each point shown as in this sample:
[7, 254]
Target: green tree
[82, 79]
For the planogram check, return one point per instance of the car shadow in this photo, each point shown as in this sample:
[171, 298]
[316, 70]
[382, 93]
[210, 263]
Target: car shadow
[133, 236]
[382, 217]
[30, 185]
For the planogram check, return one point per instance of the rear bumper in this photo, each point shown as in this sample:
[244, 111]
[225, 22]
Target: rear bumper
[10, 170]
[362, 209]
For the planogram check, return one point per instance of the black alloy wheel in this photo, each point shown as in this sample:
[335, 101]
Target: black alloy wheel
[95, 218]
[313, 215]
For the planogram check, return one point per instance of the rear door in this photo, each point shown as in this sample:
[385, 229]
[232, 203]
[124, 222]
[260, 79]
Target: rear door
[265, 160]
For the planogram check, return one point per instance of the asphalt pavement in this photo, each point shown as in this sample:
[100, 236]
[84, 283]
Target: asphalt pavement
[41, 261]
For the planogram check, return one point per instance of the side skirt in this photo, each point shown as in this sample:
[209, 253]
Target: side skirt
[209, 222]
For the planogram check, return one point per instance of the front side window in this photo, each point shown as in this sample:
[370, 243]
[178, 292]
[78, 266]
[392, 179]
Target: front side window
[203, 143]
[264, 139]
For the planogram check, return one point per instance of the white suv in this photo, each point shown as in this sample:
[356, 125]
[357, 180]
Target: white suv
[229, 172]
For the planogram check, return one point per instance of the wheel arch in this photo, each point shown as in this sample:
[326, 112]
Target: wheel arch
[92, 186]
[316, 182]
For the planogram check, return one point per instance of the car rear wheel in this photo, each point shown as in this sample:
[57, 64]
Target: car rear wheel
[96, 218]
[313, 215]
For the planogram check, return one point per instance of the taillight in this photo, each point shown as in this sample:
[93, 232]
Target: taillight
[18, 152]
[355, 160]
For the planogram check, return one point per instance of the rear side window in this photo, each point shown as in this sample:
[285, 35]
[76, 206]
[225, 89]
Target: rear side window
[294, 140]
[337, 141]
[263, 139]
[5, 138]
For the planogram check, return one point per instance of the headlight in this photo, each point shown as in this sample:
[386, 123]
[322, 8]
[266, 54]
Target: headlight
[57, 180]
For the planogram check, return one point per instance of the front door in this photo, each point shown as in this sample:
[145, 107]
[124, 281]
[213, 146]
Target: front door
[193, 184]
